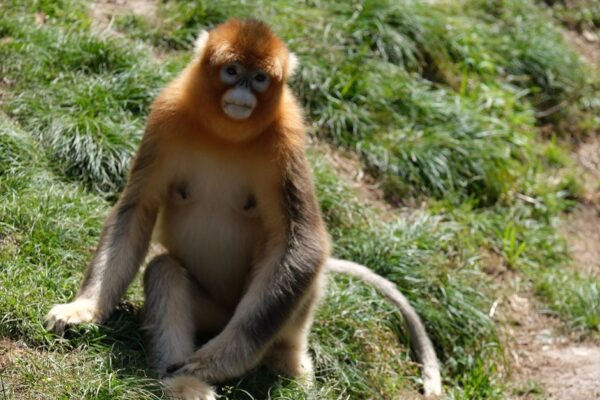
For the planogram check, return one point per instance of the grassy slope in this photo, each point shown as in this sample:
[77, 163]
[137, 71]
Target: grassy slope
[443, 105]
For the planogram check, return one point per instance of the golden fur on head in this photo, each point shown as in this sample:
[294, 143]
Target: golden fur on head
[249, 42]
[200, 89]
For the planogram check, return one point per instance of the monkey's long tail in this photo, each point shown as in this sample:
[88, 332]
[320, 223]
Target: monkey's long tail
[420, 342]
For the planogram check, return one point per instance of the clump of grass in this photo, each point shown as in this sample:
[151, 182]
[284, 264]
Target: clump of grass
[579, 15]
[418, 138]
[443, 41]
[443, 147]
[66, 13]
[15, 158]
[537, 51]
[84, 99]
[86, 130]
[177, 24]
[574, 296]
[46, 376]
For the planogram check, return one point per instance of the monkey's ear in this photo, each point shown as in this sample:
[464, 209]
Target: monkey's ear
[293, 64]
[200, 44]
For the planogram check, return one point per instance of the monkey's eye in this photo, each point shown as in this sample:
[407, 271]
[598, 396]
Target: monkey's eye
[230, 73]
[260, 82]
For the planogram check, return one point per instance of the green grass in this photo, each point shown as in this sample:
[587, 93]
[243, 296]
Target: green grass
[576, 14]
[84, 99]
[574, 295]
[442, 103]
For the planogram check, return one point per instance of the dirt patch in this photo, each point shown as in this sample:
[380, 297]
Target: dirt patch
[364, 185]
[10, 349]
[587, 156]
[349, 167]
[104, 11]
[577, 372]
[587, 44]
[581, 228]
[582, 232]
[548, 365]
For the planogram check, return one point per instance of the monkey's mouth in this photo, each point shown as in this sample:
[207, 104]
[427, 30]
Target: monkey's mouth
[237, 110]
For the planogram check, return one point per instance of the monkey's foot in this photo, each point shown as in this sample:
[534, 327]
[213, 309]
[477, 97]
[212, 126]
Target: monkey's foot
[76, 312]
[293, 363]
[188, 388]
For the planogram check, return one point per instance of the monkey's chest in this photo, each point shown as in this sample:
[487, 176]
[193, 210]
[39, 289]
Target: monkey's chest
[210, 223]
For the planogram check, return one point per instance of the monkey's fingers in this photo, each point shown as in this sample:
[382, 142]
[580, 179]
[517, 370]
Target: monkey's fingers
[52, 324]
[74, 313]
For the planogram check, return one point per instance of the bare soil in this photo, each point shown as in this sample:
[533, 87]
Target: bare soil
[103, 11]
[548, 364]
[360, 181]
[364, 185]
[581, 228]
[587, 44]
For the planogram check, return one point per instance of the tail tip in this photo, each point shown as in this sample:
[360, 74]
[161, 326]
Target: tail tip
[432, 388]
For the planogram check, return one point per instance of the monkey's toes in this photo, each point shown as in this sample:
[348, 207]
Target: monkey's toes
[188, 388]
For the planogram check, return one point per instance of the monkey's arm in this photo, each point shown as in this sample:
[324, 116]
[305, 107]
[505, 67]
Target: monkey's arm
[285, 273]
[123, 244]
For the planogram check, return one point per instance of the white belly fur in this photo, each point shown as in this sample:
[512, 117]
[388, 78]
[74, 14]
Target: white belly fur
[209, 231]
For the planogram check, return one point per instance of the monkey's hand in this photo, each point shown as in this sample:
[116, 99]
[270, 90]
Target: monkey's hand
[76, 312]
[195, 365]
[220, 359]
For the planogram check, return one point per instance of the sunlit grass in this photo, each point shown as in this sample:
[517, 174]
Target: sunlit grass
[440, 101]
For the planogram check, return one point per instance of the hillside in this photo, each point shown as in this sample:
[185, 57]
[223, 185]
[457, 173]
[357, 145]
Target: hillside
[455, 150]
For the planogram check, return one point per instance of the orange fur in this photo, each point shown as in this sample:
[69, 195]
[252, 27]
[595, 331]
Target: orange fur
[191, 101]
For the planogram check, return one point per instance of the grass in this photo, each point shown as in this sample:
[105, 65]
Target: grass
[84, 98]
[445, 104]
[580, 15]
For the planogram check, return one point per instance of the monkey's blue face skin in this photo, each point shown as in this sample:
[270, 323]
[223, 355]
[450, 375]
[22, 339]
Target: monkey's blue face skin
[239, 101]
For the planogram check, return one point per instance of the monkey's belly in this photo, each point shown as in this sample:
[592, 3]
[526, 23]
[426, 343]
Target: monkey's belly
[215, 244]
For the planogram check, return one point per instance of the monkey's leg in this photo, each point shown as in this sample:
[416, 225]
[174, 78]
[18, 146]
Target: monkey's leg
[288, 355]
[168, 313]
[175, 310]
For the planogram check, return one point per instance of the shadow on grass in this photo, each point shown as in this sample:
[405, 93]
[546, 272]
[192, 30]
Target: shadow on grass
[122, 335]
[121, 340]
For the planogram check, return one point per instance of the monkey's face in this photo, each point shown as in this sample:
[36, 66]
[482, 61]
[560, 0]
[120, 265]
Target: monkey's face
[240, 70]
[242, 84]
